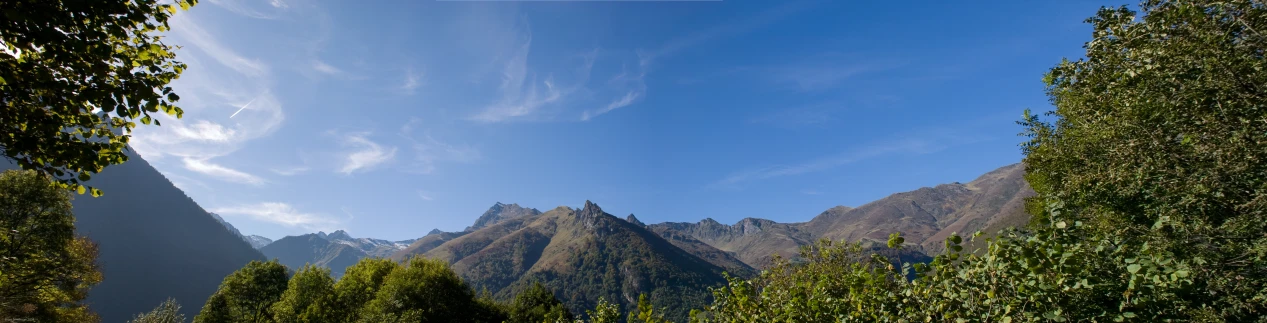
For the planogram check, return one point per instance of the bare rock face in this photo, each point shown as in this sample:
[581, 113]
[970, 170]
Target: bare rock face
[634, 220]
[501, 212]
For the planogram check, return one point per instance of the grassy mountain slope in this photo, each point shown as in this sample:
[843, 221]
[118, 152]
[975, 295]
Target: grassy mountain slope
[426, 243]
[583, 255]
[925, 216]
[155, 243]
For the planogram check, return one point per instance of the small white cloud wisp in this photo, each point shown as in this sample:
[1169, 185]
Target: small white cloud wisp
[281, 214]
[220, 172]
[367, 154]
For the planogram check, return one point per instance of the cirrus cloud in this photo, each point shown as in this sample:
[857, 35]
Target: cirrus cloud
[282, 214]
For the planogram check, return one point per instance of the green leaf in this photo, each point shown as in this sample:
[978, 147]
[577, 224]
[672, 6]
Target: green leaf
[1133, 268]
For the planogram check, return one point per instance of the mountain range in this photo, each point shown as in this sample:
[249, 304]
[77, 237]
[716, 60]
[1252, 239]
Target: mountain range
[925, 217]
[585, 254]
[335, 251]
[157, 243]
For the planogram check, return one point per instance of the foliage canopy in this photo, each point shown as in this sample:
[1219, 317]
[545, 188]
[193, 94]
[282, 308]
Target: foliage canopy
[75, 75]
[45, 270]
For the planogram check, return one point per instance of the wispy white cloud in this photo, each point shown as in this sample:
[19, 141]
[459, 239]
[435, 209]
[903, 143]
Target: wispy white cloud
[424, 195]
[210, 95]
[187, 30]
[624, 101]
[291, 171]
[367, 154]
[739, 26]
[323, 67]
[248, 7]
[280, 213]
[203, 130]
[412, 81]
[520, 93]
[914, 146]
[635, 82]
[428, 150]
[186, 184]
[220, 172]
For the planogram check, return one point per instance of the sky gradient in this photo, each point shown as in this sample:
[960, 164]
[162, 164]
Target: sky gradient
[391, 119]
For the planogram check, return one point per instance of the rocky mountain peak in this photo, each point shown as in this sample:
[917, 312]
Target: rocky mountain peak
[632, 219]
[339, 235]
[500, 212]
[435, 231]
[322, 234]
[751, 225]
[591, 208]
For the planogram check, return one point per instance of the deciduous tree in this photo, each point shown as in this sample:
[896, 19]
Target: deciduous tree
[76, 75]
[45, 270]
[246, 295]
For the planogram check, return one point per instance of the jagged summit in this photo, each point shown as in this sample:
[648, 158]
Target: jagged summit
[500, 212]
[339, 235]
[434, 231]
[590, 210]
[632, 219]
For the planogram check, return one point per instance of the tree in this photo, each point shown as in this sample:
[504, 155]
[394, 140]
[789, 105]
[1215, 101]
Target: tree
[537, 304]
[359, 284]
[646, 312]
[75, 75]
[246, 295]
[1150, 200]
[45, 271]
[1159, 138]
[424, 290]
[167, 312]
[604, 312]
[309, 297]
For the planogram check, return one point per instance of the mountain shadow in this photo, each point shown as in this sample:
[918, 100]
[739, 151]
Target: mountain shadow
[154, 242]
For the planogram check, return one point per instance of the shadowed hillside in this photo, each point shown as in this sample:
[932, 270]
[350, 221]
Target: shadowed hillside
[296, 251]
[155, 243]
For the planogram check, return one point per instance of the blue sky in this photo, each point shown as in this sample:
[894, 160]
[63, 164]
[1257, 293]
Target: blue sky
[393, 118]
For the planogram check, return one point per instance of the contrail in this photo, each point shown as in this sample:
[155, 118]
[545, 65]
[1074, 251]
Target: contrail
[243, 108]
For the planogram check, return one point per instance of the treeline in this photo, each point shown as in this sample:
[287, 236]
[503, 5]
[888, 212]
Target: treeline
[376, 290]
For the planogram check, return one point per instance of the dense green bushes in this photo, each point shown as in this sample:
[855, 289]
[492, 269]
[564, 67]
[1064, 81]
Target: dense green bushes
[373, 290]
[1152, 188]
[380, 290]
